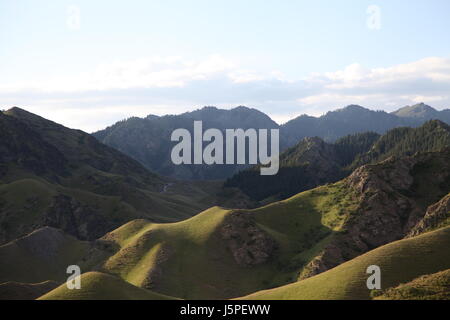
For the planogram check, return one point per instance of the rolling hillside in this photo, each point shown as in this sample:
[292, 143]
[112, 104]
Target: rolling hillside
[401, 261]
[219, 253]
[54, 176]
[428, 287]
[227, 253]
[100, 286]
[314, 231]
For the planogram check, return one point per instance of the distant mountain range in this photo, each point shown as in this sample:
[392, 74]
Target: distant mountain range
[313, 162]
[147, 140]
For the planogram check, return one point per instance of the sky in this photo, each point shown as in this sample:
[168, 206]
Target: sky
[87, 64]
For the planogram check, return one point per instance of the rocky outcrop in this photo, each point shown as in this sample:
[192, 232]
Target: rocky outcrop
[391, 197]
[248, 244]
[437, 215]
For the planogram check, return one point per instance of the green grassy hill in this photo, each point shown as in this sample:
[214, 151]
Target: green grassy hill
[223, 253]
[227, 253]
[100, 286]
[219, 253]
[400, 262]
[435, 286]
[54, 176]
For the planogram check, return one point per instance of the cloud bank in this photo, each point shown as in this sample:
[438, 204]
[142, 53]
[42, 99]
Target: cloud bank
[166, 85]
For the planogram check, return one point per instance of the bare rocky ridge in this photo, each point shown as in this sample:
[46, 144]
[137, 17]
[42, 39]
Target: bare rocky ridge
[437, 215]
[391, 198]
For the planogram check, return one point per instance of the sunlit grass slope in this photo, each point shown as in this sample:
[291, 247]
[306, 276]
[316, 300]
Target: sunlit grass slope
[190, 259]
[435, 286]
[400, 262]
[100, 286]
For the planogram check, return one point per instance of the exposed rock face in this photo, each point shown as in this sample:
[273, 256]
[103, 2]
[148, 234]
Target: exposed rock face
[75, 218]
[436, 215]
[248, 244]
[388, 195]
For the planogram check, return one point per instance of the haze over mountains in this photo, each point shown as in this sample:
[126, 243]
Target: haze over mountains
[148, 139]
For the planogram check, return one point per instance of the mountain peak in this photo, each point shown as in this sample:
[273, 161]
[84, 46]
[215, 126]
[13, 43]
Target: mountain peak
[420, 110]
[353, 107]
[151, 117]
[17, 111]
[25, 115]
[209, 108]
[238, 108]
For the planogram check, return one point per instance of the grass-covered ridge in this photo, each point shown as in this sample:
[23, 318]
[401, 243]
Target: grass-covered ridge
[54, 176]
[400, 262]
[435, 286]
[101, 286]
[215, 254]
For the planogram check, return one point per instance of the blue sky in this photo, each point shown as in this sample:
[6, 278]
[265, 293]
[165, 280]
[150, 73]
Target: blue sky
[87, 64]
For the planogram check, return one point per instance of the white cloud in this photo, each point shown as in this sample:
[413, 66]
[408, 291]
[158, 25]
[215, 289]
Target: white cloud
[426, 80]
[356, 76]
[165, 85]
